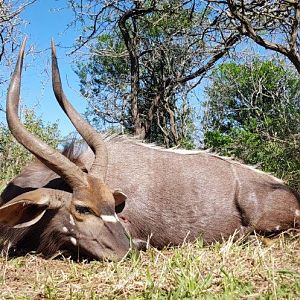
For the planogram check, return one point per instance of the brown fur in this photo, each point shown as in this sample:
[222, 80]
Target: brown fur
[174, 197]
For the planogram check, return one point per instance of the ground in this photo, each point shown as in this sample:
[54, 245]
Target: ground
[260, 268]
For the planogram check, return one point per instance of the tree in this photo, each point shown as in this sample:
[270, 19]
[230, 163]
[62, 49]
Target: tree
[145, 59]
[271, 24]
[253, 113]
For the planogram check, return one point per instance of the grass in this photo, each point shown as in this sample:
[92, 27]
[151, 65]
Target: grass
[261, 268]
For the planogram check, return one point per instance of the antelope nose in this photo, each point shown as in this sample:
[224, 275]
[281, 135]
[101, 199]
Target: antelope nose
[139, 244]
[119, 234]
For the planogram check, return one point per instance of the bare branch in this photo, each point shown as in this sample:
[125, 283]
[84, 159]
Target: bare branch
[272, 25]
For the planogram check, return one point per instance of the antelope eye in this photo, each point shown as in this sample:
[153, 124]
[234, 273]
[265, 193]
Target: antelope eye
[83, 210]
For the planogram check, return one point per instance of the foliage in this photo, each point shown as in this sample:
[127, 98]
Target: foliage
[253, 113]
[14, 156]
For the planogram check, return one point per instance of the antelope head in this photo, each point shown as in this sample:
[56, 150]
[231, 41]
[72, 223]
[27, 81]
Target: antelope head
[83, 221]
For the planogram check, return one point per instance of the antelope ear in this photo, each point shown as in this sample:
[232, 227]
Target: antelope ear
[120, 199]
[27, 209]
[119, 196]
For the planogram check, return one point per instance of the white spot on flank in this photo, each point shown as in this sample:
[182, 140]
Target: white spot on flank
[65, 229]
[109, 218]
[277, 227]
[73, 241]
[72, 222]
[297, 212]
[253, 197]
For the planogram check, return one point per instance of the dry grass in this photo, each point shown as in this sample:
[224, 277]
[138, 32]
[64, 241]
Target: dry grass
[258, 269]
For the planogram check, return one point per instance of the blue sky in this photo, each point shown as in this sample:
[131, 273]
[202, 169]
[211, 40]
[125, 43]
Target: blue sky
[46, 21]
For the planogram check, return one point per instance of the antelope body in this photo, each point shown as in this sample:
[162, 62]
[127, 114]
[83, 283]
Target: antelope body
[170, 196]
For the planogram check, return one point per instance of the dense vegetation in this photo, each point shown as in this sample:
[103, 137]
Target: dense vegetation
[13, 156]
[252, 113]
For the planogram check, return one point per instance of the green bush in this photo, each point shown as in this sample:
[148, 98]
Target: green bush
[13, 156]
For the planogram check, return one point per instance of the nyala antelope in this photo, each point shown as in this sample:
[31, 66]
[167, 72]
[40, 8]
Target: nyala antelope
[121, 193]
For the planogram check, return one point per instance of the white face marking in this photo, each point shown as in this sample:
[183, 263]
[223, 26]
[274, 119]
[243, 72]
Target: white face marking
[297, 212]
[117, 218]
[44, 199]
[277, 227]
[109, 218]
[72, 222]
[73, 241]
[65, 229]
